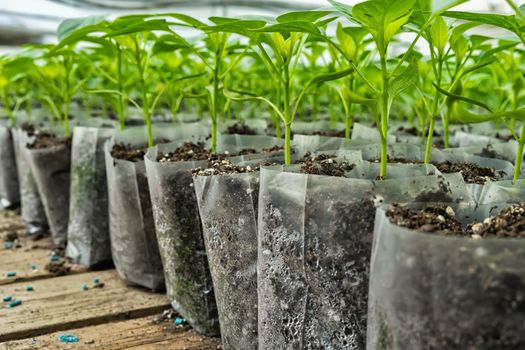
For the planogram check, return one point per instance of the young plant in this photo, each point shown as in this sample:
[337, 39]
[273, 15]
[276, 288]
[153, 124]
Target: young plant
[383, 19]
[280, 46]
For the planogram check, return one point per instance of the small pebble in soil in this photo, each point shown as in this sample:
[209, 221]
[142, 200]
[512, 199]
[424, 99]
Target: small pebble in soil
[179, 321]
[85, 287]
[30, 289]
[8, 244]
[7, 298]
[14, 303]
[68, 338]
[11, 274]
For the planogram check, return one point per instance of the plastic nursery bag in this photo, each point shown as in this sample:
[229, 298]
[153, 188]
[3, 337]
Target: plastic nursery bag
[9, 187]
[33, 214]
[318, 127]
[179, 229]
[51, 170]
[315, 236]
[88, 230]
[134, 247]
[503, 192]
[370, 134]
[438, 292]
[228, 206]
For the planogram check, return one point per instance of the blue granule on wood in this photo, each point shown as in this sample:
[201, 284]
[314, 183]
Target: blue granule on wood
[54, 258]
[68, 338]
[30, 288]
[7, 298]
[33, 267]
[179, 321]
[14, 303]
[8, 244]
[85, 287]
[96, 281]
[11, 274]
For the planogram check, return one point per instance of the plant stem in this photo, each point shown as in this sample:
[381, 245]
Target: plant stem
[7, 107]
[215, 103]
[384, 117]
[433, 116]
[446, 131]
[120, 97]
[287, 116]
[519, 153]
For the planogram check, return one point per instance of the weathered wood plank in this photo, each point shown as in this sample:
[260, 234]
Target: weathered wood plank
[142, 333]
[22, 260]
[58, 304]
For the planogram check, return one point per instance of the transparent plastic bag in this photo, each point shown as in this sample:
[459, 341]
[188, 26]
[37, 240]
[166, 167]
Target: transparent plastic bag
[32, 209]
[51, 170]
[88, 230]
[315, 236]
[9, 187]
[437, 292]
[179, 229]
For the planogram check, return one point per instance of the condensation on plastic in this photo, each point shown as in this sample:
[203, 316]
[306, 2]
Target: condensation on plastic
[51, 170]
[32, 209]
[88, 230]
[307, 128]
[314, 242]
[435, 292]
[368, 133]
[179, 231]
[134, 247]
[9, 187]
[503, 192]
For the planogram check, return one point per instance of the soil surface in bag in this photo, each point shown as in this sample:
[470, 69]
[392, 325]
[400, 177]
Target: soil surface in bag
[472, 173]
[50, 159]
[463, 291]
[509, 223]
[324, 164]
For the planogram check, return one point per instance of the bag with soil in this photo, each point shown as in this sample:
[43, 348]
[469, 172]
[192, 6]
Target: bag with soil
[50, 159]
[32, 209]
[447, 287]
[320, 128]
[134, 247]
[179, 231]
[228, 204]
[315, 237]
[9, 187]
[244, 127]
[88, 230]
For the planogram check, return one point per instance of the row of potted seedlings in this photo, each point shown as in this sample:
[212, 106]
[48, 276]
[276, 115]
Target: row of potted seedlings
[342, 229]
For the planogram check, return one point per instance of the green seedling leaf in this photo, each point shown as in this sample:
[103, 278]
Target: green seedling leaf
[453, 97]
[306, 16]
[343, 9]
[383, 18]
[439, 34]
[404, 80]
[506, 22]
[291, 27]
[192, 22]
[141, 26]
[69, 26]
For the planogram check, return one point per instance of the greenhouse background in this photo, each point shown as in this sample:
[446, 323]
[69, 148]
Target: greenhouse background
[262, 175]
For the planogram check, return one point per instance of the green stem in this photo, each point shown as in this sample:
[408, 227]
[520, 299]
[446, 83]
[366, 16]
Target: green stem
[384, 117]
[435, 109]
[7, 107]
[446, 131]
[215, 102]
[519, 153]
[287, 116]
[120, 97]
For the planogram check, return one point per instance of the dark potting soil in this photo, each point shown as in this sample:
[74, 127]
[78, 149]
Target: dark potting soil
[324, 164]
[409, 130]
[189, 151]
[509, 223]
[47, 140]
[28, 127]
[330, 133]
[241, 128]
[489, 152]
[132, 153]
[225, 166]
[472, 173]
[437, 219]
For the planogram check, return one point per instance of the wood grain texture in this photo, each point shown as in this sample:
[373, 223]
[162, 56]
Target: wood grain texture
[136, 334]
[59, 304]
